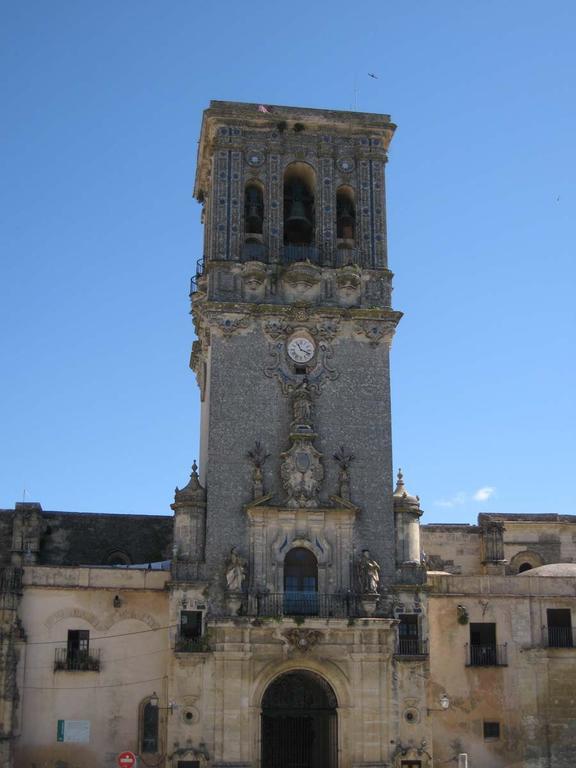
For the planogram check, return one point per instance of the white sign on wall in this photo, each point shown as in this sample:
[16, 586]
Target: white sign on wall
[77, 731]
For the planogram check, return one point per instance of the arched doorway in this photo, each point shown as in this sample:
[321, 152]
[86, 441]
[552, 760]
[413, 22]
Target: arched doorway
[299, 723]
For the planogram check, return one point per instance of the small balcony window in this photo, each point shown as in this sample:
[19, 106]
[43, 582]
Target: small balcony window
[77, 656]
[560, 628]
[409, 641]
[483, 650]
[190, 633]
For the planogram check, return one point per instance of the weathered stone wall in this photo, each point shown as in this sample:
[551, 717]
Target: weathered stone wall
[81, 538]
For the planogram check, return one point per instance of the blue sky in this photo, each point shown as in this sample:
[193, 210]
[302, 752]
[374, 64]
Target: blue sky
[102, 104]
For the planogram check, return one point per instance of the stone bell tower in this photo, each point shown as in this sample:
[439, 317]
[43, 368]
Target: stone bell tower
[292, 308]
[296, 568]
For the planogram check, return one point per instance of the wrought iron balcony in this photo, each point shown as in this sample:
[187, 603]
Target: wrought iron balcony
[199, 273]
[491, 655]
[295, 604]
[77, 660]
[559, 637]
[184, 644]
[411, 646]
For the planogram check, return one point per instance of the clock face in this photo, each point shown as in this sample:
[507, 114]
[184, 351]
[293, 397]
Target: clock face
[300, 349]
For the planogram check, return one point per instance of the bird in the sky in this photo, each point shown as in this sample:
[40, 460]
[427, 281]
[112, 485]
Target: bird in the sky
[371, 74]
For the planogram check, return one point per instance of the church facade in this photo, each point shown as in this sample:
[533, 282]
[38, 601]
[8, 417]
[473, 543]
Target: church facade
[292, 612]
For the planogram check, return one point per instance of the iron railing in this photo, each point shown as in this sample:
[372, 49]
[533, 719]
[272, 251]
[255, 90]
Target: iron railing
[294, 253]
[254, 252]
[411, 646]
[559, 637]
[185, 644]
[199, 272]
[346, 256]
[74, 660]
[305, 604]
[490, 655]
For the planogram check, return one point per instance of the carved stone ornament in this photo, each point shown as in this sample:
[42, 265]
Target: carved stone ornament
[228, 325]
[283, 369]
[302, 474]
[301, 469]
[376, 330]
[328, 329]
[302, 639]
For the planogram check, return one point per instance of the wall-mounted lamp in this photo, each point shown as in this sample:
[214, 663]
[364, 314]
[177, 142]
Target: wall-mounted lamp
[155, 701]
[444, 704]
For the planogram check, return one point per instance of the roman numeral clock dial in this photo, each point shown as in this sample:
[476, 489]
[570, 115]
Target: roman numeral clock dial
[300, 349]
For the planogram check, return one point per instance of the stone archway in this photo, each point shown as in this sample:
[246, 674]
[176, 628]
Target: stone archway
[299, 722]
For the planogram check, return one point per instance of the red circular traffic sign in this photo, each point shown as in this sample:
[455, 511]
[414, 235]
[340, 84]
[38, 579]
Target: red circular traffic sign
[126, 759]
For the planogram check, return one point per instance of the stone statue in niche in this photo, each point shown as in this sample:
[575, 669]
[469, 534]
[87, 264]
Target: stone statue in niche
[236, 567]
[302, 404]
[344, 458]
[368, 574]
[258, 458]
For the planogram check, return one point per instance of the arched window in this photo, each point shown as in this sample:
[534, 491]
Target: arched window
[524, 567]
[149, 721]
[118, 557]
[300, 582]
[345, 215]
[253, 210]
[299, 188]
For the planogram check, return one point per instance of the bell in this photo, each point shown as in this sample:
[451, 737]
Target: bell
[345, 220]
[253, 212]
[297, 225]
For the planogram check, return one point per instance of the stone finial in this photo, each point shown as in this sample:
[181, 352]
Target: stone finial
[193, 491]
[400, 489]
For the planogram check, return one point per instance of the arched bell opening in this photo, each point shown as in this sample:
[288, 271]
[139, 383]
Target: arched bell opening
[300, 582]
[253, 212]
[299, 722]
[345, 217]
[299, 190]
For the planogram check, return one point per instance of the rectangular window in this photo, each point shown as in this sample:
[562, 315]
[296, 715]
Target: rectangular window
[77, 649]
[191, 625]
[408, 636]
[188, 764]
[483, 649]
[491, 730]
[559, 628]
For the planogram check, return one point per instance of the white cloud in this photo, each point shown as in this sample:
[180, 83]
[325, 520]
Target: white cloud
[455, 501]
[483, 494]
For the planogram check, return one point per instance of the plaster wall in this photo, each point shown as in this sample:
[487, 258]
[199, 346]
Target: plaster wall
[133, 641]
